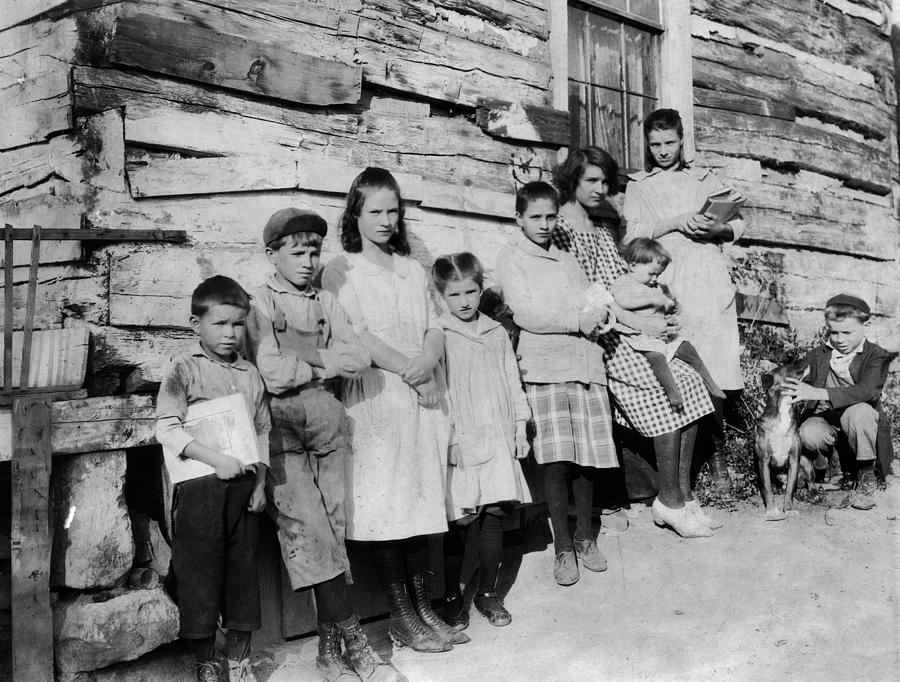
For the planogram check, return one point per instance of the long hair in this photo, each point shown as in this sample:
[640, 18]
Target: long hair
[663, 119]
[456, 267]
[569, 172]
[371, 180]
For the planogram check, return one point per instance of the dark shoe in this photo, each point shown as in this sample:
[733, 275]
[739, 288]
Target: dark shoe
[406, 628]
[589, 555]
[718, 472]
[490, 606]
[863, 496]
[565, 568]
[422, 603]
[456, 615]
[208, 671]
[848, 481]
[361, 657]
[329, 662]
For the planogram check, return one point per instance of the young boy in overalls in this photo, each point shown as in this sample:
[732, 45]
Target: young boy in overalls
[301, 340]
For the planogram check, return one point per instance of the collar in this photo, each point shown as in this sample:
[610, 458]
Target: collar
[698, 173]
[273, 283]
[399, 265]
[532, 249]
[856, 351]
[237, 363]
[484, 325]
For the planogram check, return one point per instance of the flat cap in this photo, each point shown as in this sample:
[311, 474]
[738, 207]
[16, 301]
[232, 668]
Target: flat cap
[292, 220]
[851, 300]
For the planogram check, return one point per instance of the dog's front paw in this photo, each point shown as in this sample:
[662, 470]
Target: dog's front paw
[775, 514]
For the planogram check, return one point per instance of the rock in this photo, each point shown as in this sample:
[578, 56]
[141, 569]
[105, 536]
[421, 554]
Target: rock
[89, 635]
[92, 542]
[170, 663]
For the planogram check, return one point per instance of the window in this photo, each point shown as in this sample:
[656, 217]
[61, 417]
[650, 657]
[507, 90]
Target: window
[613, 74]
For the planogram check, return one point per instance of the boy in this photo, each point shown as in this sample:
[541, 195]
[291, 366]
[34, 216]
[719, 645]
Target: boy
[216, 527]
[842, 395]
[301, 340]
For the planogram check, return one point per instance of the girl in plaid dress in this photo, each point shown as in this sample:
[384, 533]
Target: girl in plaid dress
[565, 380]
[640, 401]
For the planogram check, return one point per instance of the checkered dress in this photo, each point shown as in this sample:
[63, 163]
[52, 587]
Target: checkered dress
[572, 424]
[640, 401]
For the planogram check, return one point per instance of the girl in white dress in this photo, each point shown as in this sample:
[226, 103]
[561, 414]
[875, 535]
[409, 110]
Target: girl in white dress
[489, 411]
[399, 422]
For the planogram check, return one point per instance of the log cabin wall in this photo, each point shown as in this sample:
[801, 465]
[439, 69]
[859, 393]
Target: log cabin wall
[208, 116]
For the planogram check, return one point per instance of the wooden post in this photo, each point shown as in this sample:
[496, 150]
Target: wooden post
[32, 636]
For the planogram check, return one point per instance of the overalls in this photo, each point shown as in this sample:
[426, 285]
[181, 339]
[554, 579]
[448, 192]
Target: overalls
[307, 447]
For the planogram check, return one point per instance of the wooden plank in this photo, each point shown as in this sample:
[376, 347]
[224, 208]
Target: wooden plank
[35, 108]
[28, 332]
[718, 99]
[19, 11]
[812, 27]
[32, 635]
[27, 166]
[515, 121]
[74, 293]
[187, 50]
[58, 358]
[92, 425]
[729, 68]
[7, 307]
[796, 145]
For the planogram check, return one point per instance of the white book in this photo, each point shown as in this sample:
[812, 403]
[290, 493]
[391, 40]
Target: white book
[223, 424]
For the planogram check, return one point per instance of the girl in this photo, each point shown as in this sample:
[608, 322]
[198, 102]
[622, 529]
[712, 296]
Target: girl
[400, 429]
[563, 371]
[641, 404]
[663, 203]
[489, 412]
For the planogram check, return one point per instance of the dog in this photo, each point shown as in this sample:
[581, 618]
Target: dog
[778, 441]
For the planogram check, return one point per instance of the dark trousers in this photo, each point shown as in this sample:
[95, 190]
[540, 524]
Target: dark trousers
[214, 549]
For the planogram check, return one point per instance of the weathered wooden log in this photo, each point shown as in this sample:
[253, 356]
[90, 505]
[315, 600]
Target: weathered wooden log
[179, 48]
[530, 123]
[19, 11]
[743, 104]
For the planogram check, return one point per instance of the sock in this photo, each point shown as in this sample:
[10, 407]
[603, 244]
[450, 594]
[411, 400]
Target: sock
[237, 645]
[387, 555]
[415, 551]
[583, 492]
[556, 492]
[204, 649]
[490, 546]
[332, 601]
[454, 546]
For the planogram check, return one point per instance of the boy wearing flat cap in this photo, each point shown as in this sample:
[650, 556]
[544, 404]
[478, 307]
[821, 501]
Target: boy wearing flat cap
[842, 399]
[301, 340]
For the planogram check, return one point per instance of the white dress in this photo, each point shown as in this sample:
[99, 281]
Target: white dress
[396, 473]
[698, 276]
[486, 400]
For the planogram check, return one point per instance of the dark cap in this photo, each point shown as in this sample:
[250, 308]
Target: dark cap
[850, 300]
[292, 220]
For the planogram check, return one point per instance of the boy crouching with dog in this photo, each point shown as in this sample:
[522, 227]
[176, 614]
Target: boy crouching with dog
[842, 396]
[302, 340]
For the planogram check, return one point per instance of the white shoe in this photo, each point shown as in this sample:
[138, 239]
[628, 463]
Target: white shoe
[693, 507]
[680, 520]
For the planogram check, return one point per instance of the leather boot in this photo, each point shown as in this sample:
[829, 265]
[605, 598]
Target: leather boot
[422, 603]
[406, 629]
[329, 662]
[360, 655]
[718, 472]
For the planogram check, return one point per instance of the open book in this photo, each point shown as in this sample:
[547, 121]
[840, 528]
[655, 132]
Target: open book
[723, 205]
[223, 424]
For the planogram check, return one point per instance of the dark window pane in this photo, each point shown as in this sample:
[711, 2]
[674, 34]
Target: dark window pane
[605, 45]
[578, 115]
[606, 115]
[578, 64]
[638, 110]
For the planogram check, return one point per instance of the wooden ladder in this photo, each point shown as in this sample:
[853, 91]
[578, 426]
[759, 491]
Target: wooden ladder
[32, 632]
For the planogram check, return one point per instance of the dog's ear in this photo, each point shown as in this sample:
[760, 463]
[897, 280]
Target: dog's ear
[766, 381]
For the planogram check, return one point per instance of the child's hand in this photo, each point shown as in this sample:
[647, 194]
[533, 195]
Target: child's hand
[801, 391]
[257, 499]
[353, 364]
[229, 467]
[521, 440]
[428, 393]
[417, 370]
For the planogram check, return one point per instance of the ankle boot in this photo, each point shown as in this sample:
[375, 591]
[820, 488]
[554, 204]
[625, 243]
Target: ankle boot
[361, 657]
[329, 662]
[406, 629]
[422, 603]
[718, 472]
[680, 520]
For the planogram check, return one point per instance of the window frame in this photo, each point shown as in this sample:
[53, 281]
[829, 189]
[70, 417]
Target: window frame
[675, 69]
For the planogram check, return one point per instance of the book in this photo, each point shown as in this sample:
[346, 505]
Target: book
[723, 205]
[223, 424]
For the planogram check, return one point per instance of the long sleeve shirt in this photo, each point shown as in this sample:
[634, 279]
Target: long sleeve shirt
[309, 310]
[195, 377]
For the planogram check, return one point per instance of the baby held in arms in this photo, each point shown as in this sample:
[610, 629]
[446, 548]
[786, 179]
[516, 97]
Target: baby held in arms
[639, 290]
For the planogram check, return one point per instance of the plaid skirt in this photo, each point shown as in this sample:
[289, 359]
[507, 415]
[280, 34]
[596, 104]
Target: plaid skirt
[573, 424]
[639, 399]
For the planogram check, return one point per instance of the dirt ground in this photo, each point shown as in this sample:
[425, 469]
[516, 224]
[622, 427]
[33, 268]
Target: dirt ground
[808, 598]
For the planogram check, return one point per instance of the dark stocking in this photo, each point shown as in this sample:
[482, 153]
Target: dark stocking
[668, 450]
[556, 491]
[415, 550]
[237, 645]
[454, 550]
[332, 601]
[387, 555]
[204, 649]
[490, 545]
[688, 437]
[583, 494]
